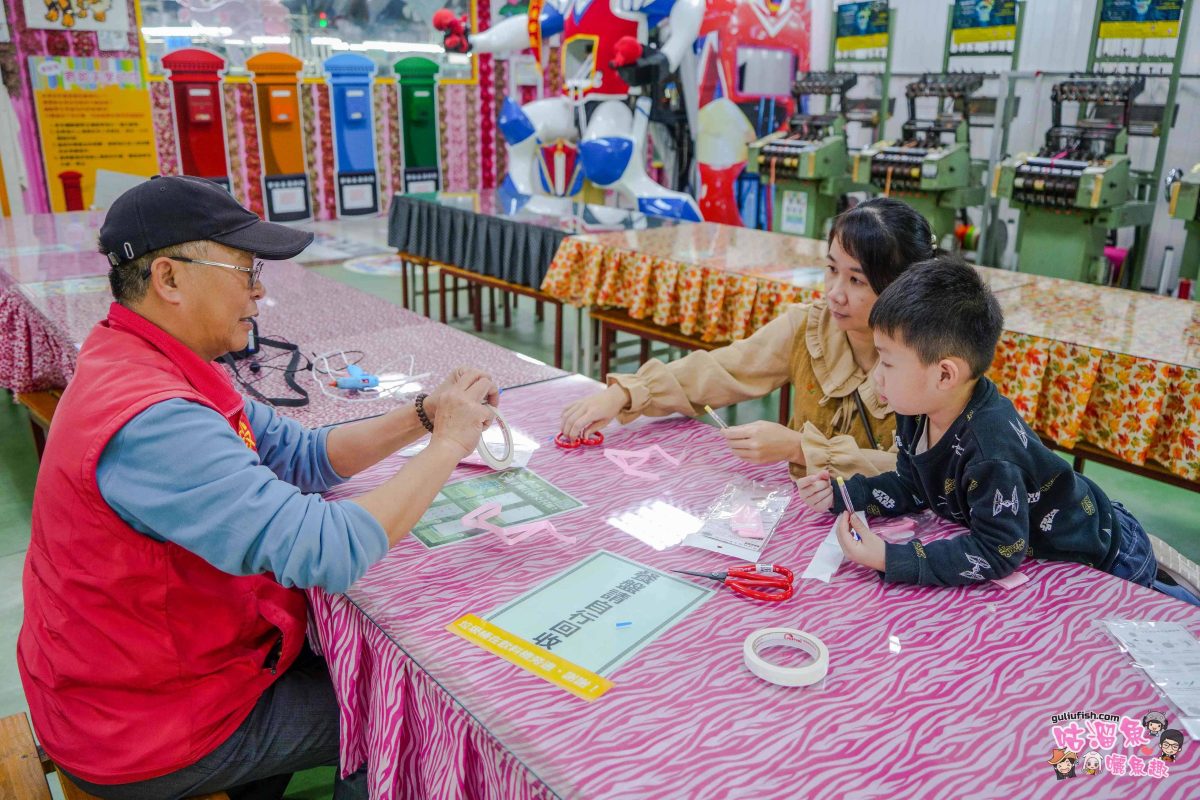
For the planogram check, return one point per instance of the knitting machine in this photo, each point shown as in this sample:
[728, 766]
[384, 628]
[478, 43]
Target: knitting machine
[1078, 187]
[931, 166]
[803, 168]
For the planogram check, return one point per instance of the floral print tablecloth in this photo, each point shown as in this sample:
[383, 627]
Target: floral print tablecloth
[715, 281]
[1116, 369]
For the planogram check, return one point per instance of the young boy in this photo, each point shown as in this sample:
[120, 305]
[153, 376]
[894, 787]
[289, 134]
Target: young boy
[965, 453]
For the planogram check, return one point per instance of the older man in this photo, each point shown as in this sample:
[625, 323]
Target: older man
[176, 522]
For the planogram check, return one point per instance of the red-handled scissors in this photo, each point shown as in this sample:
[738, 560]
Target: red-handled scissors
[594, 440]
[769, 582]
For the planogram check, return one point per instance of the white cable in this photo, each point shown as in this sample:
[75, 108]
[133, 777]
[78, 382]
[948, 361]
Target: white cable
[781, 675]
[389, 384]
[490, 458]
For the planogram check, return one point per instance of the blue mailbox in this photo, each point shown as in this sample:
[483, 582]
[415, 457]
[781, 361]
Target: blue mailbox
[350, 80]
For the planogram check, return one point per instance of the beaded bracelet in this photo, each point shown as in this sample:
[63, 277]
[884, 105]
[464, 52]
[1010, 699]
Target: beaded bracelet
[419, 404]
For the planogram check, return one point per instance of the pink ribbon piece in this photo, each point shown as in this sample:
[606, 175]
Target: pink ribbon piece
[1011, 580]
[517, 533]
[747, 522]
[629, 461]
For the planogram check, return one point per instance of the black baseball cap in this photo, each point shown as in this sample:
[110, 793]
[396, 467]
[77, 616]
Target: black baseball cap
[172, 209]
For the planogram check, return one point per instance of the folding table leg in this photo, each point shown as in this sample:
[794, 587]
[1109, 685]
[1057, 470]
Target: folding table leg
[607, 335]
[442, 294]
[425, 286]
[558, 334]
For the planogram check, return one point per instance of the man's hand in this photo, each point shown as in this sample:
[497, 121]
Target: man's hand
[463, 415]
[868, 550]
[816, 491]
[462, 373]
[764, 442]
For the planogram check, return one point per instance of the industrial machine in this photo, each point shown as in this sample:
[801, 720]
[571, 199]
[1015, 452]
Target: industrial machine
[1078, 187]
[930, 167]
[804, 168]
[1184, 192]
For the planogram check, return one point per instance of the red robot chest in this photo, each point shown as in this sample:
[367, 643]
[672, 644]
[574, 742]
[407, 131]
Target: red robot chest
[753, 38]
[591, 30]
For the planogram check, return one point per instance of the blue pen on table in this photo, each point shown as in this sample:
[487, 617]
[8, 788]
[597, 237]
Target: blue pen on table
[849, 506]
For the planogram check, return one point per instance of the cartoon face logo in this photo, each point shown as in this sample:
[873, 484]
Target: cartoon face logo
[1141, 7]
[983, 9]
[1091, 763]
[1155, 723]
[863, 18]
[1063, 762]
[1171, 742]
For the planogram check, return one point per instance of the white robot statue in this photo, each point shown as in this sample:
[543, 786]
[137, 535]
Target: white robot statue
[598, 37]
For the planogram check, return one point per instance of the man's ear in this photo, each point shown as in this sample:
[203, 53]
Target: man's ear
[164, 279]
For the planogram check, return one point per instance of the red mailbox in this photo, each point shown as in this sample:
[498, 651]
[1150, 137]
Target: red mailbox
[72, 186]
[199, 121]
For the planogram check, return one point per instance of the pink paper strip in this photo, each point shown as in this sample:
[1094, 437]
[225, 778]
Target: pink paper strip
[629, 461]
[1012, 580]
[517, 533]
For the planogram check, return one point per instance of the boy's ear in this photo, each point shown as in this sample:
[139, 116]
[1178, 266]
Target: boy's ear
[952, 372]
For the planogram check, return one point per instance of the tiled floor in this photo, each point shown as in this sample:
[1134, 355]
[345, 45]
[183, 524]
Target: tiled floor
[1166, 511]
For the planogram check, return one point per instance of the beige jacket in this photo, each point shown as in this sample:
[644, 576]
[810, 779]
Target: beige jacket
[803, 346]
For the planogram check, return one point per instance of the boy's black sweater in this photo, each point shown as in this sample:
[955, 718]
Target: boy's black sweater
[991, 472]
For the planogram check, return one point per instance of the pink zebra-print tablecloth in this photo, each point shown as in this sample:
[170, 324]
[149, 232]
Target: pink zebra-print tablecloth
[43, 323]
[962, 708]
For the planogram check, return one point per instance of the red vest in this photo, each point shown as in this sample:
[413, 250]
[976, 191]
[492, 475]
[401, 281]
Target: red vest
[137, 657]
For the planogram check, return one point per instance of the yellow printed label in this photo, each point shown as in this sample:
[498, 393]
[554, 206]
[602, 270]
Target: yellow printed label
[987, 33]
[1167, 29]
[527, 655]
[871, 41]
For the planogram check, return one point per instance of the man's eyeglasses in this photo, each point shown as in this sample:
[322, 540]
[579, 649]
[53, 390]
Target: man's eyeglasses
[254, 270]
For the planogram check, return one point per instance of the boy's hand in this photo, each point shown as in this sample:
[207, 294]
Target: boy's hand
[816, 490]
[871, 551]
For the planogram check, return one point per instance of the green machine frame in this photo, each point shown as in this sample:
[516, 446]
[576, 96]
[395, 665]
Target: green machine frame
[1185, 205]
[1070, 204]
[931, 168]
[805, 169]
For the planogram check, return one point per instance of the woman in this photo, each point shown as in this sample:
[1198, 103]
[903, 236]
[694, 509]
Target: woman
[824, 349]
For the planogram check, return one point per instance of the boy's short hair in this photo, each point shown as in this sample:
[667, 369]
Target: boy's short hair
[942, 308]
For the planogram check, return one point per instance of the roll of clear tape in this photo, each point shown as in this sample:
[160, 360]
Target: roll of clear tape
[778, 674]
[485, 453]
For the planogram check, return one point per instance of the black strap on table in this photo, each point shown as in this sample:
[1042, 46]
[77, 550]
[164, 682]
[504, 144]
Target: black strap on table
[289, 372]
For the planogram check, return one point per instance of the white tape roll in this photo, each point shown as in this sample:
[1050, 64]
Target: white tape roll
[490, 458]
[780, 675]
